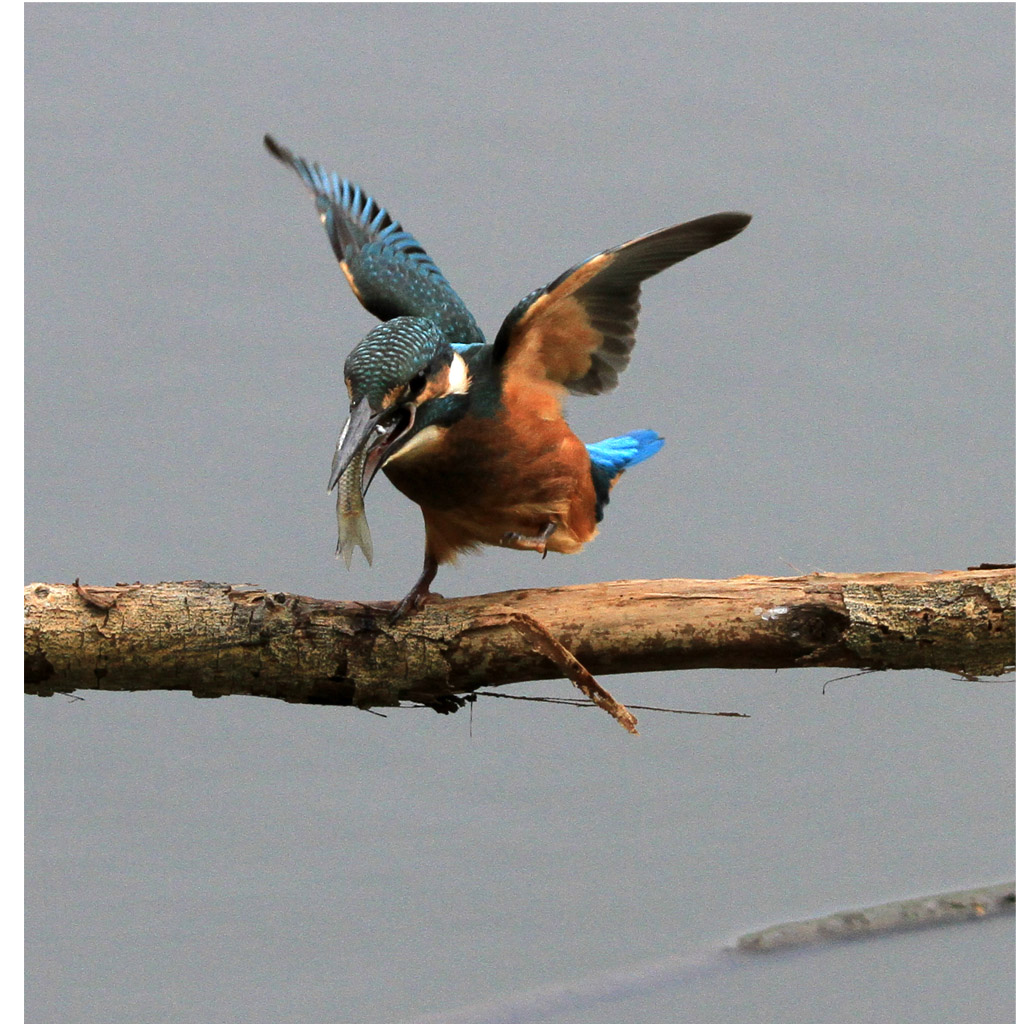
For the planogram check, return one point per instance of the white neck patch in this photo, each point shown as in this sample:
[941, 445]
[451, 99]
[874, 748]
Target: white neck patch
[458, 376]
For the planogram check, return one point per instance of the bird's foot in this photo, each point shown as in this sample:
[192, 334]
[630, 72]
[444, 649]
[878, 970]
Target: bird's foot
[522, 542]
[412, 602]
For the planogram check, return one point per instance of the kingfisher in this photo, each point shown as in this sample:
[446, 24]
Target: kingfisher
[472, 431]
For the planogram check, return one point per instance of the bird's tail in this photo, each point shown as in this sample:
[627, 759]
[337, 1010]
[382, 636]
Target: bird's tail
[611, 457]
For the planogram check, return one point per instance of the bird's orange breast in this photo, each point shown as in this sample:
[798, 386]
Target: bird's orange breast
[516, 472]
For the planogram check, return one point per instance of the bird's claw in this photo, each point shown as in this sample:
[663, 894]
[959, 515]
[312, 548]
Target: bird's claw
[521, 542]
[412, 603]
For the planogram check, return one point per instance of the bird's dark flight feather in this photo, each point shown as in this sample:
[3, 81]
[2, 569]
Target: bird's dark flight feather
[579, 331]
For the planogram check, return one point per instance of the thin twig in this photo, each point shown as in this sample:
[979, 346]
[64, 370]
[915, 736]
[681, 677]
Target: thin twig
[851, 675]
[540, 638]
[586, 703]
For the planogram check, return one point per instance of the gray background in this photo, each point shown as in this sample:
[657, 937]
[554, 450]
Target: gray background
[835, 390]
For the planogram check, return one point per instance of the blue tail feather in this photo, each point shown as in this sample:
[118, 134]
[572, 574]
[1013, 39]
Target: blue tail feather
[609, 458]
[615, 454]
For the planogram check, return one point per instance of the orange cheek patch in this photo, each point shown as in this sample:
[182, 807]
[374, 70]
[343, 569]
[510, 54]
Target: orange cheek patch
[437, 385]
[392, 397]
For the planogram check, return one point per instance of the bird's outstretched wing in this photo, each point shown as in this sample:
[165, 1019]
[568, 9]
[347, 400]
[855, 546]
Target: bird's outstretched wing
[389, 271]
[579, 331]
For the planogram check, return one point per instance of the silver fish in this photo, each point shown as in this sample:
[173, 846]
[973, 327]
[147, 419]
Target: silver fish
[353, 529]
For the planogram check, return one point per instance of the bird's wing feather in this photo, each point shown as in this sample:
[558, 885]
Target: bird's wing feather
[389, 271]
[579, 331]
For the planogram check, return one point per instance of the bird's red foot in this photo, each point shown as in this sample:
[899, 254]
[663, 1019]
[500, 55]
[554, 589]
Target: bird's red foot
[521, 542]
[420, 593]
[412, 603]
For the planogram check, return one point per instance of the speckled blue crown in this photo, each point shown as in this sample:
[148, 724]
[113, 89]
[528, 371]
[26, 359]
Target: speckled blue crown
[390, 355]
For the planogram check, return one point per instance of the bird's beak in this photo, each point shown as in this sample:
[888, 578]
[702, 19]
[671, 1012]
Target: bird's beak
[373, 435]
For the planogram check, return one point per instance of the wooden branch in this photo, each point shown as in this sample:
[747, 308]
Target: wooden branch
[214, 639]
[886, 918]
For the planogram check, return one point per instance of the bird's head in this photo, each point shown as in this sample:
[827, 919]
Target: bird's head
[398, 368]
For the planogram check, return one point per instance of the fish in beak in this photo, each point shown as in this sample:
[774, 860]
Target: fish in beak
[365, 442]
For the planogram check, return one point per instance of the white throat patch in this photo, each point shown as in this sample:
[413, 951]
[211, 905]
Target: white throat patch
[418, 444]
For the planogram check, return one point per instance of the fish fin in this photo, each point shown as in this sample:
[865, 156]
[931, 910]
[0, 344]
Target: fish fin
[353, 532]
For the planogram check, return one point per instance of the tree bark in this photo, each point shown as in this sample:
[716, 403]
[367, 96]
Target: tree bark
[214, 639]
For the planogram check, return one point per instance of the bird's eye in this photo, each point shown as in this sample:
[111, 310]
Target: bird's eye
[417, 384]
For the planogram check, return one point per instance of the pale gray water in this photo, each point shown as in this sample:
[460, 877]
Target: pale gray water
[835, 387]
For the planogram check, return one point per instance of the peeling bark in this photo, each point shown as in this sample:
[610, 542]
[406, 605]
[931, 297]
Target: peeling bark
[213, 639]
